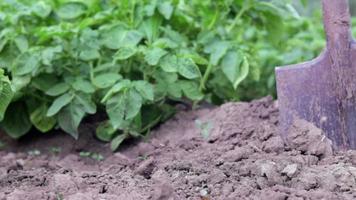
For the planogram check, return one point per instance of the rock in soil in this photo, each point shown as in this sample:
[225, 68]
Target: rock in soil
[240, 156]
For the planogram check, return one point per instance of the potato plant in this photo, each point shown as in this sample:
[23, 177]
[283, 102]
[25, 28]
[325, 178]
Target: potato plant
[64, 60]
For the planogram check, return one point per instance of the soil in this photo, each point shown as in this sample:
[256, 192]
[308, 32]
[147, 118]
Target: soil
[229, 152]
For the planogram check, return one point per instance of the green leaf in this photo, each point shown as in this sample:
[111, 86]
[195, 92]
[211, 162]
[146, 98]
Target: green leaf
[149, 9]
[231, 66]
[152, 56]
[44, 81]
[243, 72]
[21, 43]
[191, 90]
[133, 104]
[304, 2]
[169, 63]
[197, 59]
[166, 9]
[125, 52]
[123, 106]
[175, 36]
[174, 90]
[118, 36]
[69, 119]
[86, 102]
[165, 43]
[40, 120]
[106, 80]
[20, 82]
[50, 53]
[6, 94]
[151, 27]
[41, 9]
[59, 103]
[105, 131]
[118, 87]
[188, 69]
[145, 89]
[71, 10]
[116, 142]
[58, 89]
[3, 43]
[26, 63]
[217, 50]
[83, 86]
[115, 108]
[90, 54]
[16, 122]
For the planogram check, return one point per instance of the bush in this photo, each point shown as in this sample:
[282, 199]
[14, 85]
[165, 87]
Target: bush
[68, 59]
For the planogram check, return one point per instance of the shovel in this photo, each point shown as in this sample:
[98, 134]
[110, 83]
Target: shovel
[323, 91]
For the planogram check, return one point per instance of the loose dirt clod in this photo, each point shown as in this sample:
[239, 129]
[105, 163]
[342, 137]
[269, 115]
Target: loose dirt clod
[243, 157]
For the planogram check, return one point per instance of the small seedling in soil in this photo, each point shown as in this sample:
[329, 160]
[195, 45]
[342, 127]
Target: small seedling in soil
[94, 156]
[34, 152]
[55, 150]
[144, 157]
[204, 194]
[59, 196]
[205, 128]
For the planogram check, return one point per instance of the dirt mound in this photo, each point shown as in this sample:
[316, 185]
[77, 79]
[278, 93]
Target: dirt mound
[230, 152]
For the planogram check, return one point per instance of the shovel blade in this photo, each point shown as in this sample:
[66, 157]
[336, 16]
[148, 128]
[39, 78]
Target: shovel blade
[307, 91]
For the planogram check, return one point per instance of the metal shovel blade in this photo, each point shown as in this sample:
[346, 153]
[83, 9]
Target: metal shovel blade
[323, 91]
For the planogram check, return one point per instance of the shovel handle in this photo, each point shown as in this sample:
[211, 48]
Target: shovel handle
[337, 23]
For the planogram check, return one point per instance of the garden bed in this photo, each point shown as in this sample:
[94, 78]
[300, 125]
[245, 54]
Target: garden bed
[229, 152]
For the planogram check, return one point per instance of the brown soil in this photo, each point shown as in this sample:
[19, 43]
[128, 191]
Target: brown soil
[230, 152]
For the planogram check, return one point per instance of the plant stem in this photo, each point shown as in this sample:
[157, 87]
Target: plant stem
[237, 18]
[132, 13]
[205, 77]
[212, 23]
[91, 71]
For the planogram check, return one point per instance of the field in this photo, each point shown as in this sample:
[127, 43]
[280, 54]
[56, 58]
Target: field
[236, 154]
[159, 100]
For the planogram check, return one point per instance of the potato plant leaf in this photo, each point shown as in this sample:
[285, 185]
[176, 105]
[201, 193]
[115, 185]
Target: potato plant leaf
[26, 63]
[115, 143]
[145, 89]
[59, 103]
[125, 52]
[105, 131]
[16, 122]
[119, 36]
[244, 70]
[58, 89]
[6, 93]
[188, 69]
[106, 80]
[71, 10]
[86, 102]
[41, 9]
[217, 50]
[169, 63]
[123, 106]
[152, 56]
[231, 66]
[40, 120]
[69, 119]
[166, 9]
[83, 86]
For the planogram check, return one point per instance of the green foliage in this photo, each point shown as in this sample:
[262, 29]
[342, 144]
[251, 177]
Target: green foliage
[67, 59]
[6, 93]
[92, 155]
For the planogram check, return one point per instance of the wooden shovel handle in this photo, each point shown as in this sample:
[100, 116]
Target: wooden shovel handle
[337, 23]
